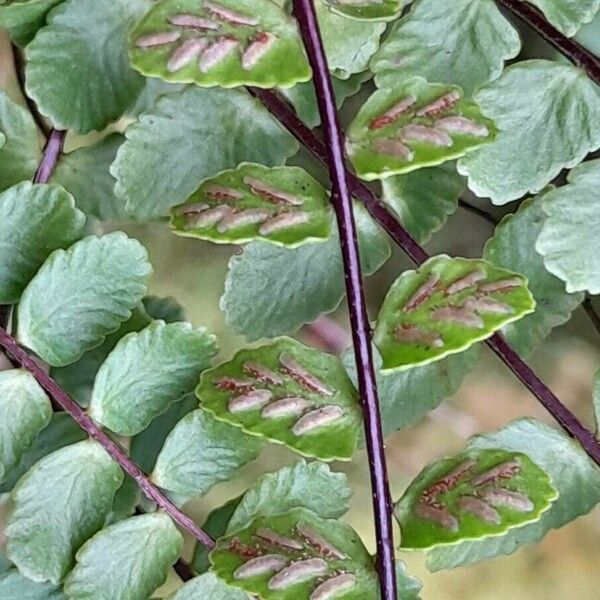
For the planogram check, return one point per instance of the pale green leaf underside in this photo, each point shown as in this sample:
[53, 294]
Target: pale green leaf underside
[445, 306]
[288, 393]
[568, 15]
[126, 561]
[270, 291]
[24, 411]
[476, 494]
[35, 219]
[547, 114]
[146, 372]
[82, 294]
[408, 586]
[413, 124]
[367, 10]
[13, 586]
[281, 205]
[463, 43]
[49, 523]
[589, 35]
[208, 586]
[200, 452]
[332, 547]
[568, 241]
[78, 71]
[220, 42]
[513, 247]
[424, 199]
[304, 485]
[572, 472]
[187, 137]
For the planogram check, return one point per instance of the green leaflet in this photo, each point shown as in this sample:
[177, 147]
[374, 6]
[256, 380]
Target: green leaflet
[271, 290]
[24, 411]
[78, 71]
[86, 174]
[200, 452]
[288, 393]
[13, 586]
[165, 309]
[207, 586]
[366, 10]
[35, 219]
[281, 205]
[568, 15]
[49, 523]
[463, 43]
[82, 294]
[572, 472]
[408, 586]
[23, 18]
[146, 372]
[568, 241]
[445, 306]
[126, 561]
[425, 198]
[414, 124]
[547, 116]
[21, 151]
[303, 485]
[513, 248]
[589, 37]
[473, 495]
[294, 555]
[220, 42]
[187, 137]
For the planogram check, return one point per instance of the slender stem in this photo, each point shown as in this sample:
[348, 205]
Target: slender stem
[118, 454]
[342, 203]
[576, 53]
[50, 156]
[591, 313]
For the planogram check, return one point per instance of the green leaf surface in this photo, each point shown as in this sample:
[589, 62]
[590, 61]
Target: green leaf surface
[146, 372]
[200, 452]
[366, 10]
[294, 556]
[547, 116]
[188, 137]
[57, 505]
[23, 18]
[86, 174]
[463, 43]
[220, 42]
[281, 205]
[476, 494]
[82, 294]
[408, 586]
[572, 472]
[287, 393]
[303, 485]
[126, 561]
[568, 241]
[513, 248]
[424, 199]
[414, 124]
[271, 290]
[207, 586]
[589, 35]
[35, 220]
[165, 309]
[126, 500]
[78, 71]
[21, 151]
[568, 15]
[24, 411]
[14, 586]
[445, 306]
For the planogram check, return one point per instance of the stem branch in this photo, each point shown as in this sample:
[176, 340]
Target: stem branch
[50, 156]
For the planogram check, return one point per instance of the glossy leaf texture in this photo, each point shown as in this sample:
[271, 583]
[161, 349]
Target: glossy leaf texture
[288, 393]
[413, 124]
[146, 372]
[48, 523]
[35, 219]
[78, 71]
[24, 411]
[547, 116]
[464, 43]
[445, 306]
[366, 10]
[568, 15]
[569, 240]
[513, 247]
[281, 205]
[296, 556]
[126, 561]
[207, 586]
[475, 494]
[270, 291]
[187, 137]
[82, 294]
[13, 586]
[227, 43]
